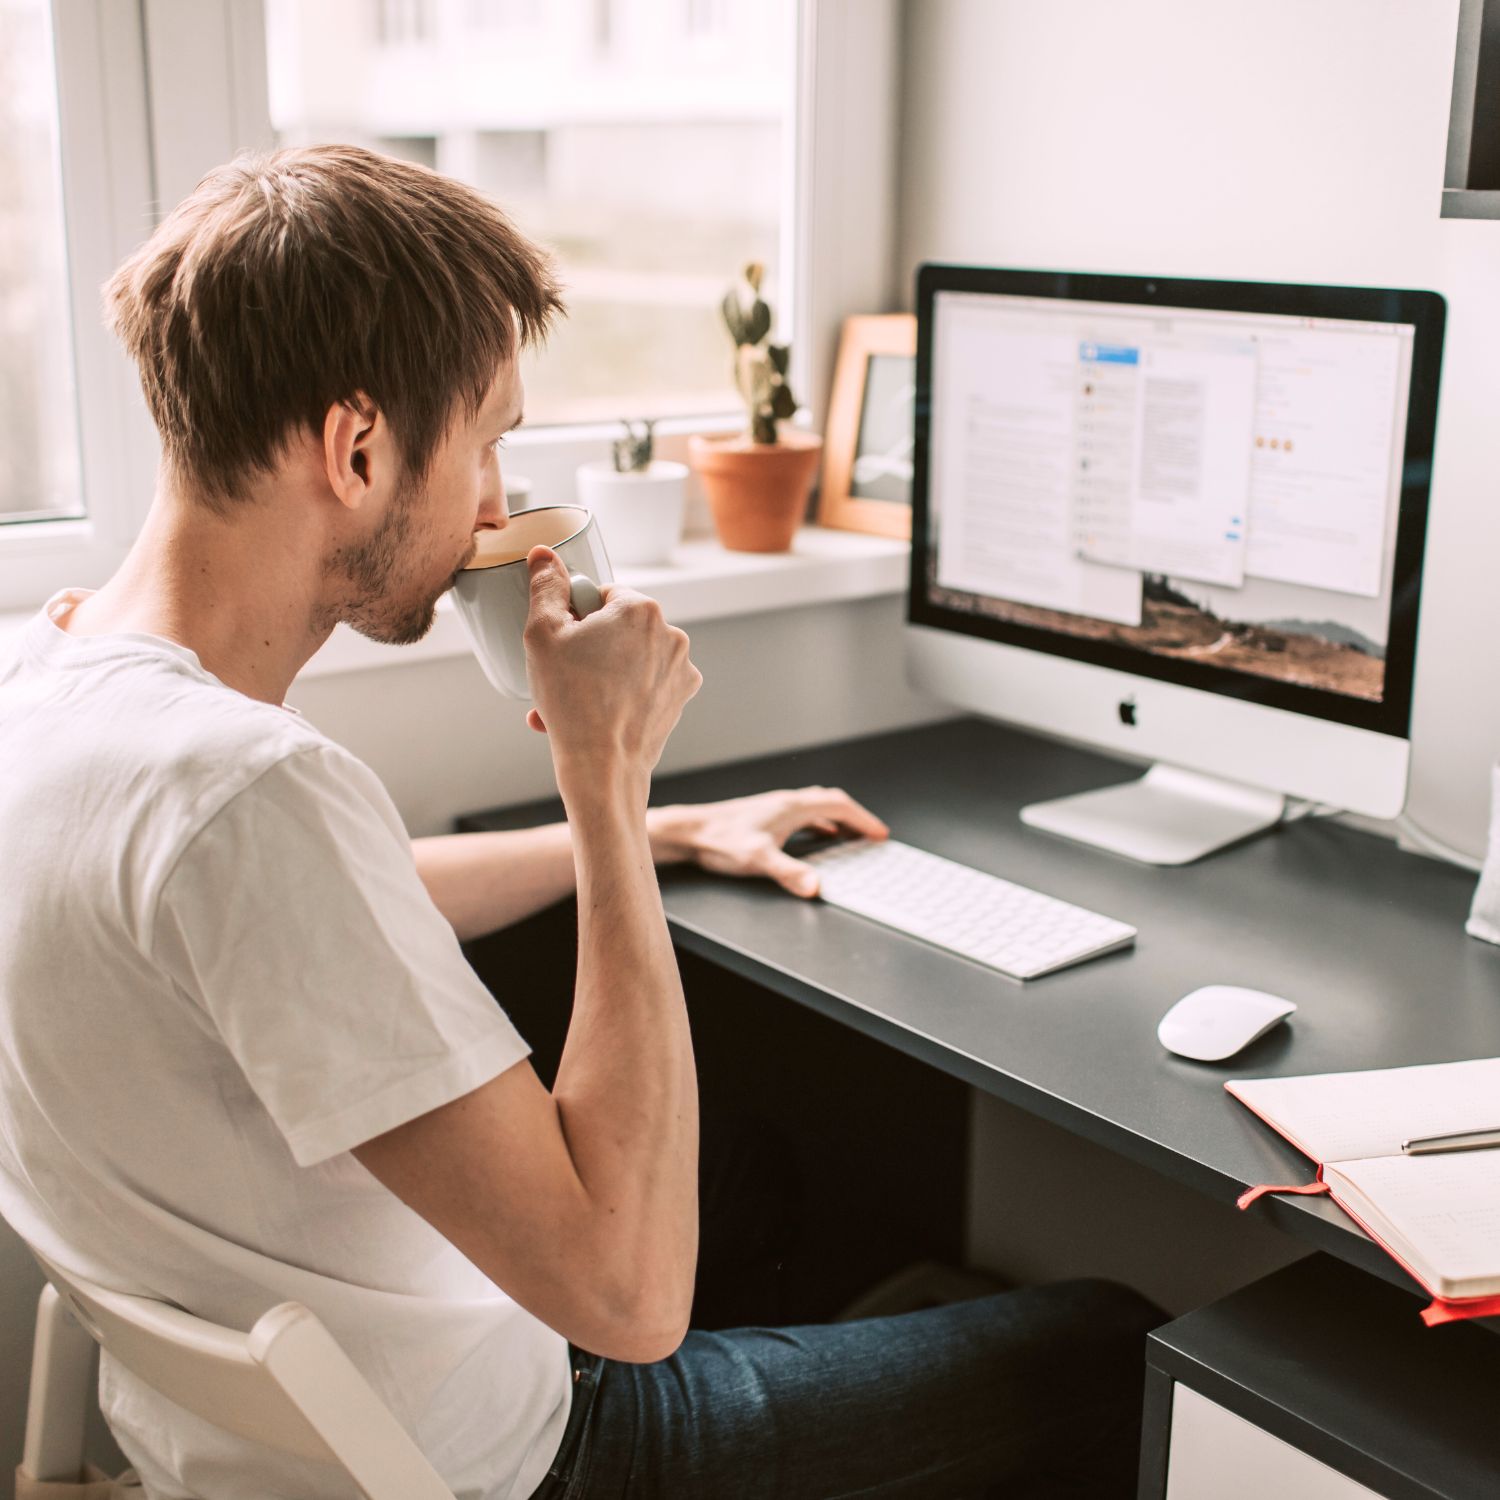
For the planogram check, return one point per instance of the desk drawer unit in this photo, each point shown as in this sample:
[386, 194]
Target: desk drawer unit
[1320, 1383]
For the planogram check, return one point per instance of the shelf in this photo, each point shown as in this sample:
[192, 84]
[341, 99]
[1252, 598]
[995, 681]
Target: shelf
[704, 582]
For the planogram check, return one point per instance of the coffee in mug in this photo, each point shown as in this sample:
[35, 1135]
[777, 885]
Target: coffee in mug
[493, 592]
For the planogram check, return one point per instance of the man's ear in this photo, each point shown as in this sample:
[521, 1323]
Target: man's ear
[355, 444]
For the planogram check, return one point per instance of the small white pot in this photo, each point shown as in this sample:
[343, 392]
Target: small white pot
[640, 514]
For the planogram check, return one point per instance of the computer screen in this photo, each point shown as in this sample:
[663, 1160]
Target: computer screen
[1209, 488]
[1222, 485]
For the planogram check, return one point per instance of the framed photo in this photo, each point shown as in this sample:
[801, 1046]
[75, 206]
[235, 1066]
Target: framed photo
[867, 443]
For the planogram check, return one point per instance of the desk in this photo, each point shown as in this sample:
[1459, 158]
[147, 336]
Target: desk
[1368, 941]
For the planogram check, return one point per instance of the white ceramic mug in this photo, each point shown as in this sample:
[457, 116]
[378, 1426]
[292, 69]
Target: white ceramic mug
[493, 593]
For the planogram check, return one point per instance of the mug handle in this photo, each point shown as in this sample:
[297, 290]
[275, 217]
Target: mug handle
[586, 595]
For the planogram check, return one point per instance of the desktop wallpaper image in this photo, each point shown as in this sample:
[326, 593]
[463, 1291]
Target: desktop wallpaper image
[1323, 654]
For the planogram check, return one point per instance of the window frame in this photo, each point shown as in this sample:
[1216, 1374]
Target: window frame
[185, 87]
[1476, 71]
[107, 190]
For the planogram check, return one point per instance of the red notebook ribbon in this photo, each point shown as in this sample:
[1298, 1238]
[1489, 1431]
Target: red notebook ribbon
[1249, 1196]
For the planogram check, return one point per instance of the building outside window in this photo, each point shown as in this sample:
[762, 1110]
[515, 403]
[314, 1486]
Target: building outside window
[641, 141]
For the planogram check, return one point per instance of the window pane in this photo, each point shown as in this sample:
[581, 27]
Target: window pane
[38, 413]
[640, 140]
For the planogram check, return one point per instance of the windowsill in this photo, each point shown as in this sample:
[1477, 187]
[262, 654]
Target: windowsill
[705, 582]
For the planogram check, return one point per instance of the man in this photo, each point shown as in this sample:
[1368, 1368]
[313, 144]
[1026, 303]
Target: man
[243, 1059]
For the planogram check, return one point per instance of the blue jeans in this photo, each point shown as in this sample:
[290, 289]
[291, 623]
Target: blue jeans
[1032, 1393]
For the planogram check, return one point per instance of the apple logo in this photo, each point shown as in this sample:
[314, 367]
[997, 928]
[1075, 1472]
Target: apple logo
[1127, 711]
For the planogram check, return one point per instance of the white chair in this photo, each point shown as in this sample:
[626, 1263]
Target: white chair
[286, 1384]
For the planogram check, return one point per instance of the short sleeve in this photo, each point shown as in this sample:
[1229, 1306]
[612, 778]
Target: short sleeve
[296, 919]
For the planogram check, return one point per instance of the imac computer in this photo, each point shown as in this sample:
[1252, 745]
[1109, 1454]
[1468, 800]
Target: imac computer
[1182, 520]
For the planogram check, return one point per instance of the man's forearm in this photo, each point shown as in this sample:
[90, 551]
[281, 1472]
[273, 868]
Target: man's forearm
[484, 881]
[626, 1088]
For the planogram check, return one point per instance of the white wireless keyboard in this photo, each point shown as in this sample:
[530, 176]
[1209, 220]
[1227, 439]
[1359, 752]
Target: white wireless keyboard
[1007, 927]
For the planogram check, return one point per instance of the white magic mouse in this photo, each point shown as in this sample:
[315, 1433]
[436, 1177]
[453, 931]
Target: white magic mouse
[1217, 1021]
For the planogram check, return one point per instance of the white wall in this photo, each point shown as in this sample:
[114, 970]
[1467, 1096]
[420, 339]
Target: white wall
[444, 742]
[1278, 141]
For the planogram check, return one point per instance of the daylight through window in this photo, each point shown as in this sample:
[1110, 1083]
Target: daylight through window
[640, 141]
[39, 470]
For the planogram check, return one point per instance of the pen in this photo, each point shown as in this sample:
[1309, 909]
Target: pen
[1462, 1140]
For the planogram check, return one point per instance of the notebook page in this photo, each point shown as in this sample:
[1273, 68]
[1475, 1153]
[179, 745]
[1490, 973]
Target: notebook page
[1346, 1116]
[1442, 1213]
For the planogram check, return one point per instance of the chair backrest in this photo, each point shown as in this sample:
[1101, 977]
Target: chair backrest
[285, 1384]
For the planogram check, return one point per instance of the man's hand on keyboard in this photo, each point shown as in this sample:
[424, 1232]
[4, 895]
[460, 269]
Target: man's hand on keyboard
[746, 835]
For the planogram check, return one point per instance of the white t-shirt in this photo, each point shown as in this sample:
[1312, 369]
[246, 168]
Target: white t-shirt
[219, 971]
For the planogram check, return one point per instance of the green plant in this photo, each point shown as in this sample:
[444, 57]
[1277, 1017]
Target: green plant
[759, 365]
[632, 453]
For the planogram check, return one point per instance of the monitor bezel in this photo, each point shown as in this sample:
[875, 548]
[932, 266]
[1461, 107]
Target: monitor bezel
[1424, 310]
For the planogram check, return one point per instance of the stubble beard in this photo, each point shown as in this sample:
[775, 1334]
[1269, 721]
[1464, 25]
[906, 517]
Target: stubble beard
[371, 573]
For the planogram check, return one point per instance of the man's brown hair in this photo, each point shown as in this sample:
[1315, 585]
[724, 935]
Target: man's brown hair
[291, 281]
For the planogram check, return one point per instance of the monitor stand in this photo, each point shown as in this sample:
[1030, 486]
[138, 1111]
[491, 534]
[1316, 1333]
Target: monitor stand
[1168, 817]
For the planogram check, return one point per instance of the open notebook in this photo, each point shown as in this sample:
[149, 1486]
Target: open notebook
[1438, 1215]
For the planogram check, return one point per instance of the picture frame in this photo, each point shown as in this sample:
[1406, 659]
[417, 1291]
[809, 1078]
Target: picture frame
[867, 441]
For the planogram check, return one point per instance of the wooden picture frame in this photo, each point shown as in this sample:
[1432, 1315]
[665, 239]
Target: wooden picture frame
[866, 483]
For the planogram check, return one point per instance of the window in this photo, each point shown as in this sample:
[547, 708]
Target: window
[77, 452]
[656, 146]
[642, 142]
[39, 477]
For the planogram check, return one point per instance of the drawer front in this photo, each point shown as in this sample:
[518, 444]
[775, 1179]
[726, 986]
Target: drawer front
[1216, 1455]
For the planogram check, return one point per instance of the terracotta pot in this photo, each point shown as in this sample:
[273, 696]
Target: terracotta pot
[757, 491]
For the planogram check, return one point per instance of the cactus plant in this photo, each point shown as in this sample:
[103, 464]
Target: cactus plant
[759, 366]
[632, 453]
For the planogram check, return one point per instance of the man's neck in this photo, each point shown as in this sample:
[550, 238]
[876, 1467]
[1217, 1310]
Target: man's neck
[242, 592]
